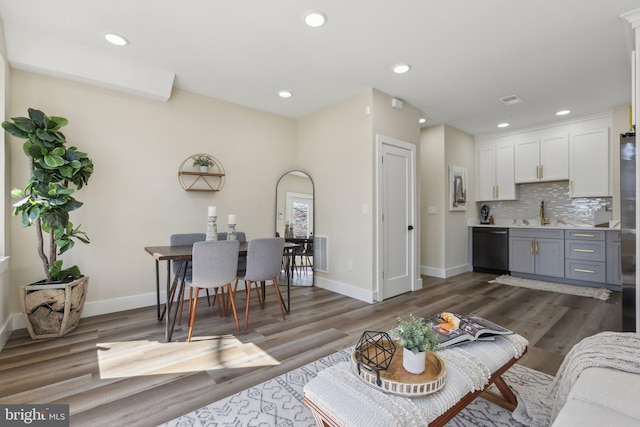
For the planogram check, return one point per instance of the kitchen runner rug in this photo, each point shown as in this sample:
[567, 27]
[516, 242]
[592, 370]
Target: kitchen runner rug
[583, 291]
[278, 402]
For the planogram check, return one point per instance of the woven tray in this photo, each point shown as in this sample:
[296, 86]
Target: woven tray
[396, 380]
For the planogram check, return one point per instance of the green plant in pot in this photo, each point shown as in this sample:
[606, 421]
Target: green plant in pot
[55, 303]
[416, 338]
[204, 161]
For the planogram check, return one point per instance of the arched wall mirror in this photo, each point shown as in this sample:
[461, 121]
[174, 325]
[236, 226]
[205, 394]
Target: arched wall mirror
[294, 219]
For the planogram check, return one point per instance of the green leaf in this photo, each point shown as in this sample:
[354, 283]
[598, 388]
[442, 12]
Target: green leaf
[14, 130]
[55, 218]
[16, 192]
[53, 161]
[32, 150]
[58, 151]
[45, 135]
[24, 124]
[59, 122]
[38, 117]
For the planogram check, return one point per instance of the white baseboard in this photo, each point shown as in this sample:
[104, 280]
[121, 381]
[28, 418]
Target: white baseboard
[344, 289]
[444, 273]
[96, 308]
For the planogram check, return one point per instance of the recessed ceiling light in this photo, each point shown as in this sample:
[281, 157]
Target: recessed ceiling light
[314, 19]
[401, 68]
[116, 39]
[563, 112]
[503, 125]
[422, 120]
[285, 94]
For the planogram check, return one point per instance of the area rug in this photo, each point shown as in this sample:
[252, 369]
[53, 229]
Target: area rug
[279, 401]
[583, 291]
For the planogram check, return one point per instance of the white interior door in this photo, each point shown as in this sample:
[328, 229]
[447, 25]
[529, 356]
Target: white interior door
[397, 193]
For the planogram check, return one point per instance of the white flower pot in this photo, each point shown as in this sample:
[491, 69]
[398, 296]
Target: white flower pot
[204, 169]
[413, 363]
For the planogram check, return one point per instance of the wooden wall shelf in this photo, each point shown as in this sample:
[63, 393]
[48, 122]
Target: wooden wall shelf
[192, 179]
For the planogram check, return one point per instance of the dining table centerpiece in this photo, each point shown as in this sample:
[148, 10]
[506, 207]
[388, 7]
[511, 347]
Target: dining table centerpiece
[51, 307]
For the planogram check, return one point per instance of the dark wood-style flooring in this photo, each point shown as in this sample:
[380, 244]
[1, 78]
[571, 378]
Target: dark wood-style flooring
[115, 369]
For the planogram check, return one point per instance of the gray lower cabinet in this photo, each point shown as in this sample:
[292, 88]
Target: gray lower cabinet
[586, 255]
[535, 251]
[582, 257]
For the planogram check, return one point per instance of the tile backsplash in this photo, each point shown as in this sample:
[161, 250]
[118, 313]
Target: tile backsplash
[558, 204]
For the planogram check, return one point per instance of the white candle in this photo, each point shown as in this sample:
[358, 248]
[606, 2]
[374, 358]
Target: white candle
[231, 219]
[212, 211]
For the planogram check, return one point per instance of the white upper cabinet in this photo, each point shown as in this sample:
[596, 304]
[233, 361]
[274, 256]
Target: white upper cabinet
[542, 159]
[589, 163]
[494, 168]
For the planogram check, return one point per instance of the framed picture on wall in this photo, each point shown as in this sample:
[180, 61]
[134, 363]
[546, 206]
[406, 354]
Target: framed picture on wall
[457, 188]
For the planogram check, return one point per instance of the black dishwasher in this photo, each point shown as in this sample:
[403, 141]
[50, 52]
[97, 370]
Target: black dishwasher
[490, 249]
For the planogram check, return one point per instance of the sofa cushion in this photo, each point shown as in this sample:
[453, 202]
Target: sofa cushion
[602, 396]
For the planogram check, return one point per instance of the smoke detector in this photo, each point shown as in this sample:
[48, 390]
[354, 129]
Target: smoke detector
[511, 99]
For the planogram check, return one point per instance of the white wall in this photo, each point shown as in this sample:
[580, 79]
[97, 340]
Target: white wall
[337, 146]
[134, 198]
[432, 172]
[459, 151]
[334, 146]
[6, 289]
[445, 234]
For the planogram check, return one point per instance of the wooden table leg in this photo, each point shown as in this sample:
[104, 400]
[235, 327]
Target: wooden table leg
[506, 399]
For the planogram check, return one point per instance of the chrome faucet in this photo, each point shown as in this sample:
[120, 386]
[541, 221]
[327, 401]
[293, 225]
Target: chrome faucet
[543, 220]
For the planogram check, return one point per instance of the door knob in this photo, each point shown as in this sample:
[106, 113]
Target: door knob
[410, 227]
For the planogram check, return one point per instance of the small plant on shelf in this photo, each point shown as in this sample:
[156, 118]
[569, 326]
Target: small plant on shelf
[203, 160]
[415, 335]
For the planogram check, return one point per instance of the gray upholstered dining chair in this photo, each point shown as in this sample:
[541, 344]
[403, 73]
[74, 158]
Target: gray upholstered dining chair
[242, 237]
[184, 239]
[214, 266]
[264, 260]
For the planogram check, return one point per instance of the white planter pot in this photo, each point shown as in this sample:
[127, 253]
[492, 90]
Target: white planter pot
[413, 363]
[53, 310]
[204, 169]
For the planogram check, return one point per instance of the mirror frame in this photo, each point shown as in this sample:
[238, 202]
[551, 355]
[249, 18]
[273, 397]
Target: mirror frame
[313, 195]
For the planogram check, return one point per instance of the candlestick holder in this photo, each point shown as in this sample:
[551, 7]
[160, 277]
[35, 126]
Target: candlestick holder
[231, 232]
[212, 229]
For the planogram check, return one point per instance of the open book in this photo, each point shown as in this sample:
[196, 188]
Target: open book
[455, 329]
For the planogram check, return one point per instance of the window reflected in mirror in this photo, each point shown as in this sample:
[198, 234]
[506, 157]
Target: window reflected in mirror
[294, 205]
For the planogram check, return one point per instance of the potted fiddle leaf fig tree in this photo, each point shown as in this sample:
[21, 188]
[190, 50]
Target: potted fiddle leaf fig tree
[51, 307]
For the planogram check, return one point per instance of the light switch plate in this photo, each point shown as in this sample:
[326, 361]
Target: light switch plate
[432, 210]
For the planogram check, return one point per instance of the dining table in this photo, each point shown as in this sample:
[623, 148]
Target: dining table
[183, 255]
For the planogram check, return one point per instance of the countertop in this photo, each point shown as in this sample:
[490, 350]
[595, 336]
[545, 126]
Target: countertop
[503, 223]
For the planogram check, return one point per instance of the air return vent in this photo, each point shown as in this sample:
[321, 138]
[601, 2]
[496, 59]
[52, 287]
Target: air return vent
[511, 99]
[321, 254]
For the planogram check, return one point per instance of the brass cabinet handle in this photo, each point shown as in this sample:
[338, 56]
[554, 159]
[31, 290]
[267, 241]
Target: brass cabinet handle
[541, 174]
[571, 187]
[584, 235]
[537, 247]
[497, 192]
[537, 172]
[584, 250]
[531, 247]
[581, 270]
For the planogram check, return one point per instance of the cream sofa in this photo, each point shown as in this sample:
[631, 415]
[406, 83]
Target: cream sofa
[602, 397]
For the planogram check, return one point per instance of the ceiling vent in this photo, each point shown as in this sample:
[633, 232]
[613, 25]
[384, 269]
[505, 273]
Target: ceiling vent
[511, 99]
